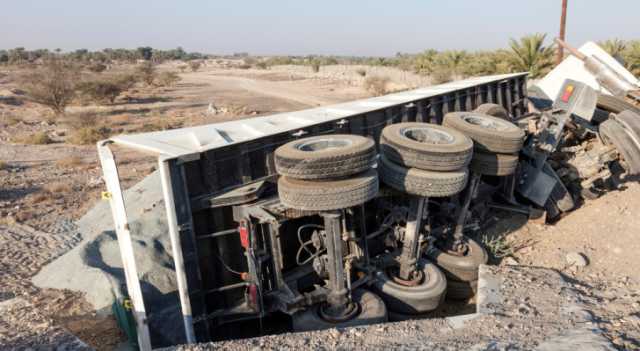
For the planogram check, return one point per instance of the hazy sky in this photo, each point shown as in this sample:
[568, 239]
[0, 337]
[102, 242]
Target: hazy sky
[372, 27]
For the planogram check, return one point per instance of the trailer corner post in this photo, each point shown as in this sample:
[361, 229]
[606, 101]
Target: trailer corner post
[119, 213]
[176, 248]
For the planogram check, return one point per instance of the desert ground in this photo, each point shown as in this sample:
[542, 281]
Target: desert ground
[45, 188]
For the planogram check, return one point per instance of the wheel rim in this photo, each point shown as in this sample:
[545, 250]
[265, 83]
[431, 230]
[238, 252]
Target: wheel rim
[323, 144]
[487, 123]
[427, 135]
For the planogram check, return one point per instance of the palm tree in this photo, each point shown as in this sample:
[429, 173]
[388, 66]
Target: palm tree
[615, 47]
[632, 57]
[530, 54]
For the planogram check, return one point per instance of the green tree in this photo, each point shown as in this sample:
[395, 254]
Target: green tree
[530, 54]
[631, 57]
[145, 52]
[614, 47]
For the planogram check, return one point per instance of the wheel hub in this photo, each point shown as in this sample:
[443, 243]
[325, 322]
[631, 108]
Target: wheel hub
[456, 247]
[417, 277]
[323, 144]
[428, 135]
[484, 122]
[338, 314]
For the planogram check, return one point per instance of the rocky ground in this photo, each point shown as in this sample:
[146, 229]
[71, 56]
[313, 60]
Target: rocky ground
[519, 308]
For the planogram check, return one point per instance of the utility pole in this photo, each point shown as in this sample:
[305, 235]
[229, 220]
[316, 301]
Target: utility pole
[563, 25]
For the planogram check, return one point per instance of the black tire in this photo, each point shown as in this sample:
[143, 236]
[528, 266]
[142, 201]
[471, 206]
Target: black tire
[494, 110]
[425, 297]
[613, 133]
[461, 290]
[489, 134]
[372, 311]
[426, 146]
[325, 157]
[328, 195]
[615, 104]
[416, 181]
[461, 268]
[493, 164]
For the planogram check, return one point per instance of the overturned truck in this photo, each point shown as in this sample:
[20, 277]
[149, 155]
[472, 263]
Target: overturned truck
[361, 212]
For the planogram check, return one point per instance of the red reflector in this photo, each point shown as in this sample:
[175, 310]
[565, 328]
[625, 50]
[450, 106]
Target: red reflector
[244, 237]
[567, 93]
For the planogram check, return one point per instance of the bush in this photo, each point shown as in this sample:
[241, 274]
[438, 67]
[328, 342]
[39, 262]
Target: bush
[261, 65]
[53, 85]
[126, 81]
[244, 66]
[195, 65]
[183, 68]
[146, 72]
[39, 138]
[82, 120]
[97, 67]
[315, 67]
[166, 79]
[101, 91]
[89, 135]
[441, 75]
[361, 72]
[376, 85]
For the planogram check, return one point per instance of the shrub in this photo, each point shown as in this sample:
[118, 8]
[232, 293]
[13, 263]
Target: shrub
[376, 85]
[195, 65]
[315, 67]
[101, 91]
[89, 135]
[441, 75]
[3, 165]
[38, 138]
[244, 66]
[53, 85]
[261, 65]
[73, 161]
[126, 81]
[183, 68]
[146, 72]
[166, 79]
[97, 67]
[361, 72]
[82, 120]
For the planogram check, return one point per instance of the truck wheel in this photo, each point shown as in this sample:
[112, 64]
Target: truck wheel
[325, 156]
[489, 134]
[493, 164]
[426, 146]
[420, 182]
[371, 311]
[328, 195]
[615, 104]
[494, 110]
[630, 121]
[461, 290]
[613, 133]
[462, 268]
[423, 297]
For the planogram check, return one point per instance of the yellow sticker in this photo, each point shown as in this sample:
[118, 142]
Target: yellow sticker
[105, 195]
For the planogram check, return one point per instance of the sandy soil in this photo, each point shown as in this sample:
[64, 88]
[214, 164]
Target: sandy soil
[43, 188]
